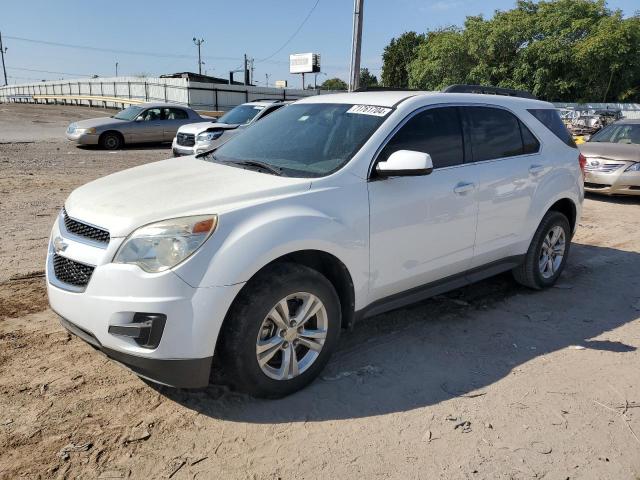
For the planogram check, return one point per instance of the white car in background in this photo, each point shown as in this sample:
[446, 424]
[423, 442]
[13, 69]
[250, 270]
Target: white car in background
[337, 208]
[200, 137]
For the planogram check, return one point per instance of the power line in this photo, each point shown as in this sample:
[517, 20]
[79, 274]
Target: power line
[113, 50]
[294, 33]
[49, 71]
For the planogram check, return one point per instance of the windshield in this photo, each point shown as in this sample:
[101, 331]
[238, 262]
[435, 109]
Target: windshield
[305, 140]
[619, 133]
[241, 114]
[129, 113]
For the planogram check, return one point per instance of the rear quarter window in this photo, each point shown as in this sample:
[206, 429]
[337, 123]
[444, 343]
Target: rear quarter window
[550, 118]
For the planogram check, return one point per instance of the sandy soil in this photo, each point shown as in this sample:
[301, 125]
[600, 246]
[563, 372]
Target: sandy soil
[491, 381]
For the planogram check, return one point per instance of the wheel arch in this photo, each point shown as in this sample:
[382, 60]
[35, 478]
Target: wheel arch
[567, 207]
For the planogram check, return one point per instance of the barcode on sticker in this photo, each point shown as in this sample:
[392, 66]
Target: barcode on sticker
[369, 110]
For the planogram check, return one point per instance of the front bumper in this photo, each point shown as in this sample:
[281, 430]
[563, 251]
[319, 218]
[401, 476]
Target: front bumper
[116, 293]
[615, 183]
[178, 373]
[83, 138]
[180, 150]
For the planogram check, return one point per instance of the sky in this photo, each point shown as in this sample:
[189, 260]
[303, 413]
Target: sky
[161, 33]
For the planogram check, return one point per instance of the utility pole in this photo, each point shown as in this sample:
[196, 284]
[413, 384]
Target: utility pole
[2, 52]
[354, 77]
[198, 42]
[246, 70]
[116, 69]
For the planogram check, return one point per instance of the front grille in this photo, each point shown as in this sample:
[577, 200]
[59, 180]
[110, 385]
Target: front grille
[602, 167]
[70, 272]
[186, 139]
[84, 230]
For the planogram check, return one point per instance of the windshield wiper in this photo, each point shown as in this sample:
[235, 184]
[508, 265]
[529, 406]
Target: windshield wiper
[264, 166]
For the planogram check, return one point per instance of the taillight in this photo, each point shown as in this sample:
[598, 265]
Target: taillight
[582, 160]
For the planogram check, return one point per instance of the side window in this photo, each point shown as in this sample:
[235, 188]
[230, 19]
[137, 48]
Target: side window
[152, 114]
[530, 143]
[175, 114]
[494, 133]
[550, 118]
[436, 131]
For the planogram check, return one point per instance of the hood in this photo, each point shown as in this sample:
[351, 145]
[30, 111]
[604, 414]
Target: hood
[184, 186]
[199, 127]
[611, 151]
[98, 122]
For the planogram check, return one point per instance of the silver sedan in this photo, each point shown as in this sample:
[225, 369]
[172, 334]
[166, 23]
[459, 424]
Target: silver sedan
[149, 122]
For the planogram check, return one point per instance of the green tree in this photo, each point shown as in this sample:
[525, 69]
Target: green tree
[561, 50]
[333, 84]
[367, 79]
[396, 59]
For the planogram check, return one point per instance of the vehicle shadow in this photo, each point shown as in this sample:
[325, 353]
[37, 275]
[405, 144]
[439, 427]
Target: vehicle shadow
[617, 199]
[129, 146]
[449, 346]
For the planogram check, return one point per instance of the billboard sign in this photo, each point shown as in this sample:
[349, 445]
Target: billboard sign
[304, 63]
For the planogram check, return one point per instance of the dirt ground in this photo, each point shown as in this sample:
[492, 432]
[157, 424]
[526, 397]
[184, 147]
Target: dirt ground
[489, 382]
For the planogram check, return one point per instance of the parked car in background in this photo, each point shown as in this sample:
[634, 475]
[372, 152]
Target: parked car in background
[203, 136]
[335, 209]
[613, 159]
[149, 122]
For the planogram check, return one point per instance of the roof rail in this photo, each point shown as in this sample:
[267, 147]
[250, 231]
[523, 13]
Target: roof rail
[386, 89]
[274, 100]
[488, 90]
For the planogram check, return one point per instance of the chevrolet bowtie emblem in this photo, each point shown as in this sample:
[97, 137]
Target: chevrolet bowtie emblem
[59, 245]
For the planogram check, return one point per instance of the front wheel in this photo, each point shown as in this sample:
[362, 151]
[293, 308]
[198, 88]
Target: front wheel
[110, 141]
[280, 332]
[547, 254]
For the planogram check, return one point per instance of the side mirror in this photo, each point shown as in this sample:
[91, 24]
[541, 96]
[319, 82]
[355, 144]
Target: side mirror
[139, 118]
[405, 163]
[586, 137]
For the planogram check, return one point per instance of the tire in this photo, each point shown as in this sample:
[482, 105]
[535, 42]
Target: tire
[111, 141]
[250, 331]
[531, 273]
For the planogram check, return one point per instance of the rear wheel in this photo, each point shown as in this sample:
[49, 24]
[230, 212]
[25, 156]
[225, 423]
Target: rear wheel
[111, 141]
[547, 254]
[280, 332]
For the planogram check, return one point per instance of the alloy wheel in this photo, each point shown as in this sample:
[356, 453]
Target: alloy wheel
[552, 252]
[292, 336]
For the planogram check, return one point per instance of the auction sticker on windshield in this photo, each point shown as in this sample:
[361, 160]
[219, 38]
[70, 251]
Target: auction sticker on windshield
[369, 110]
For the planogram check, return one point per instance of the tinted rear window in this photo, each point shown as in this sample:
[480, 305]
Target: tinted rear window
[494, 133]
[550, 118]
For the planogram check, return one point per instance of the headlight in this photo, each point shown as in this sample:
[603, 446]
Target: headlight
[86, 130]
[160, 246]
[633, 168]
[209, 136]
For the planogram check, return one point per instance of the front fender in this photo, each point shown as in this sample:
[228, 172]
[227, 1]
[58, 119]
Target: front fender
[249, 239]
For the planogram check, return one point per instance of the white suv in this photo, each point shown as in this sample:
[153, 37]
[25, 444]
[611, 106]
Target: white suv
[200, 137]
[336, 208]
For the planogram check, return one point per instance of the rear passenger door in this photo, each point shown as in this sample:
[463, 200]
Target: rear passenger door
[174, 118]
[422, 228]
[506, 164]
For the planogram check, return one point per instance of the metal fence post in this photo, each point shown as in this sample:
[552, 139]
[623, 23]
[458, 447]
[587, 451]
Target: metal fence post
[146, 92]
[216, 98]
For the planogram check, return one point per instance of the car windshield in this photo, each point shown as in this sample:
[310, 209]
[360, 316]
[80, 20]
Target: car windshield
[129, 113]
[619, 133]
[241, 114]
[305, 140]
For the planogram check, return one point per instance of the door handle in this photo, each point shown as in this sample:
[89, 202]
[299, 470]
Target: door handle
[536, 169]
[462, 188]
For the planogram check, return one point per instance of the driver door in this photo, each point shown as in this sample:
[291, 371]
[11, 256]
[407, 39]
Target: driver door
[422, 228]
